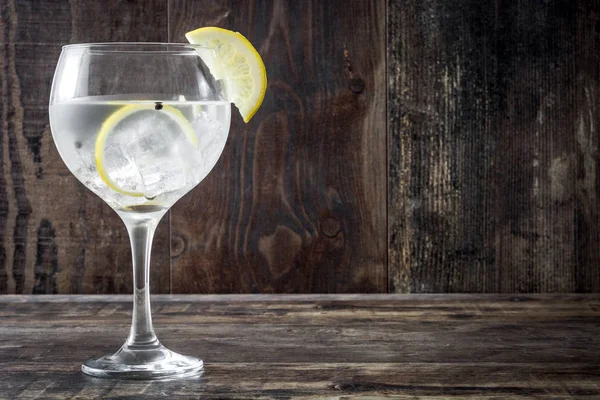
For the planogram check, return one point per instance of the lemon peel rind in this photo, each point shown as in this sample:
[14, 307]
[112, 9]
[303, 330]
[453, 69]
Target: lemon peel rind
[204, 35]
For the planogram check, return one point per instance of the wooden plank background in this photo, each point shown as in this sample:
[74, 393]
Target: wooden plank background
[297, 202]
[493, 173]
[56, 236]
[413, 146]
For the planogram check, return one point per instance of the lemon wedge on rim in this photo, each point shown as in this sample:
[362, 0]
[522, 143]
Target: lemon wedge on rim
[109, 129]
[237, 64]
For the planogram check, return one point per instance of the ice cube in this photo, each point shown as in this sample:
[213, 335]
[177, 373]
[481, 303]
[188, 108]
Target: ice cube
[162, 176]
[207, 128]
[153, 145]
[122, 167]
[212, 152]
[154, 154]
[149, 140]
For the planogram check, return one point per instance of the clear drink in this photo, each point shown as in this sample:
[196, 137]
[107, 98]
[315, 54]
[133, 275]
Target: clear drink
[140, 156]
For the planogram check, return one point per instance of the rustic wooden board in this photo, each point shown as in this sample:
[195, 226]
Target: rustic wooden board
[335, 347]
[297, 201]
[493, 149]
[55, 235]
[493, 181]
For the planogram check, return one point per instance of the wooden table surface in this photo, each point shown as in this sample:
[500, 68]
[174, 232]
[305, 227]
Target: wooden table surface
[314, 346]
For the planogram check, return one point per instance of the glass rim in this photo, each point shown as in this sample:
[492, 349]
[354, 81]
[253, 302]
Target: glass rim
[135, 47]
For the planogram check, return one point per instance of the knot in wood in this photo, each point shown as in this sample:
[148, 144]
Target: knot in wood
[356, 85]
[178, 245]
[330, 227]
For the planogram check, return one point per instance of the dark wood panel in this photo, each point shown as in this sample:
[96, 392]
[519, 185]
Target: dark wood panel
[55, 235]
[493, 149]
[335, 347]
[297, 201]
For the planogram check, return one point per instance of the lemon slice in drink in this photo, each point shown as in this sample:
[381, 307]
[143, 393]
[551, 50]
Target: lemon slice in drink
[125, 125]
[238, 64]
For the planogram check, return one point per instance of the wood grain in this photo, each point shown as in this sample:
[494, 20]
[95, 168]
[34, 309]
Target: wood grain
[493, 149]
[323, 346]
[297, 201]
[55, 235]
[492, 152]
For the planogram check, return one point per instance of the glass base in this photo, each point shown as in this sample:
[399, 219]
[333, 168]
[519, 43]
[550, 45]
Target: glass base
[144, 362]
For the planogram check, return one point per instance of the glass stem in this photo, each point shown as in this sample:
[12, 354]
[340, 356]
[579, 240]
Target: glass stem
[141, 232]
